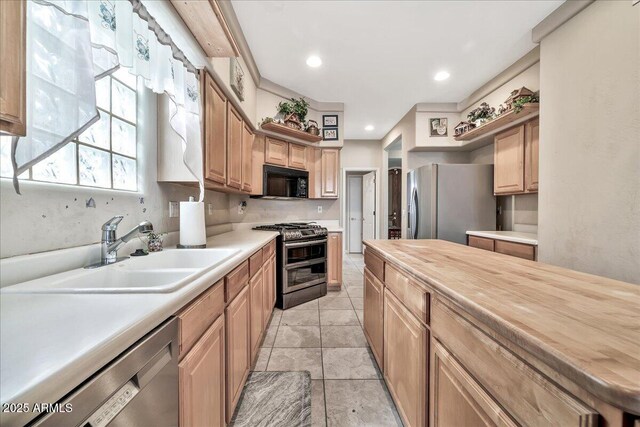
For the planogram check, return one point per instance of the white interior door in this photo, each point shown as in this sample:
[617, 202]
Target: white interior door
[369, 206]
[354, 211]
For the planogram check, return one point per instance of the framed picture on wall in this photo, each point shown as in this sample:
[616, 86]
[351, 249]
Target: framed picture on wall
[438, 127]
[330, 134]
[237, 78]
[330, 121]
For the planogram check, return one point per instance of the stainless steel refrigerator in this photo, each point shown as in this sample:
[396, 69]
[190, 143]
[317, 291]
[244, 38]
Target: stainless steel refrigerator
[446, 200]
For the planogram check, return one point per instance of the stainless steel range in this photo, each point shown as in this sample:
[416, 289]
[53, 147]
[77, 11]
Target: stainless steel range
[301, 258]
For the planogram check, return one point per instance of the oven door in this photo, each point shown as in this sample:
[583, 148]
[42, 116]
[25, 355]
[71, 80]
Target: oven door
[305, 264]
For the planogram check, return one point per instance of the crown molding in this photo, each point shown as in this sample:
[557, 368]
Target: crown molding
[558, 17]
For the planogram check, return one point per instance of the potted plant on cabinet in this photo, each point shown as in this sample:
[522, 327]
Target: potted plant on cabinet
[482, 114]
[294, 112]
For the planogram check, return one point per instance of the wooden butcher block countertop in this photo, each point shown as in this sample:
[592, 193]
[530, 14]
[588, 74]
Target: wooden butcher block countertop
[585, 327]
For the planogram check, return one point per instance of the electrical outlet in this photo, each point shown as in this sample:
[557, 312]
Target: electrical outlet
[174, 209]
[209, 209]
[319, 209]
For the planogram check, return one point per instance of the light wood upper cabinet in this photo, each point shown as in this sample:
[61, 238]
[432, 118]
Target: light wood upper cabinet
[202, 380]
[247, 159]
[256, 288]
[509, 161]
[276, 152]
[13, 106]
[330, 167]
[334, 260]
[238, 348]
[531, 156]
[297, 156]
[257, 165]
[214, 132]
[458, 400]
[374, 315]
[406, 350]
[234, 148]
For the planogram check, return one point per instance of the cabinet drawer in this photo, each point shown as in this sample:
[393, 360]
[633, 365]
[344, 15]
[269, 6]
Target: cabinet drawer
[516, 249]
[194, 320]
[414, 298]
[269, 249]
[236, 280]
[481, 243]
[529, 397]
[255, 263]
[374, 263]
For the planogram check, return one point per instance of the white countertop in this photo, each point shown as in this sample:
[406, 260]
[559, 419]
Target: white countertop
[509, 236]
[50, 343]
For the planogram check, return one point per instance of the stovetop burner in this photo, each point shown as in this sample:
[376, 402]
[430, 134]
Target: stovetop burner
[296, 230]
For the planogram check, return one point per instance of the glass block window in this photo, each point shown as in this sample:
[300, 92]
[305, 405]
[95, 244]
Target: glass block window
[105, 155]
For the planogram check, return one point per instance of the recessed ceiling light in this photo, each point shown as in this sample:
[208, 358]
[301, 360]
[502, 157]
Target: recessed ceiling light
[314, 61]
[441, 75]
[369, 128]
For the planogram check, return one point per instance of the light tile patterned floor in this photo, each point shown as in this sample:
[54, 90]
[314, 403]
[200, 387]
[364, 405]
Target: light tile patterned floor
[325, 338]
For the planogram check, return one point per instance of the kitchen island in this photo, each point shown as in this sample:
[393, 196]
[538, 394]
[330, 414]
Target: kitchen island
[469, 337]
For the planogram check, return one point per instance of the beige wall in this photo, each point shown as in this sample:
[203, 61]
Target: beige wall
[222, 67]
[269, 211]
[483, 155]
[589, 146]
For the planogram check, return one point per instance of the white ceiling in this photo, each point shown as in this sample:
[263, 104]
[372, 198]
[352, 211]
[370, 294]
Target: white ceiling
[379, 57]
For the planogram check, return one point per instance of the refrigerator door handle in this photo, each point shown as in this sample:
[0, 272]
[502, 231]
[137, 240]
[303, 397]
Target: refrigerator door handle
[416, 213]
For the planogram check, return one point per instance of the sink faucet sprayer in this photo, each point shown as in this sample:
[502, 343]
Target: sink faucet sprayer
[109, 244]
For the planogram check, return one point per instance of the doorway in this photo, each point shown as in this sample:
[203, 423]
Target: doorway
[394, 190]
[360, 208]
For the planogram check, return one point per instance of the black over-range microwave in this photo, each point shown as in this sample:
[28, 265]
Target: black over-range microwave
[284, 183]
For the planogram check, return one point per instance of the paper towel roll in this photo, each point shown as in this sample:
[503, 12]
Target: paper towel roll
[192, 229]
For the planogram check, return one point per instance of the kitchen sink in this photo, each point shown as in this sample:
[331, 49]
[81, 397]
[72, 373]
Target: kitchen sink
[182, 258]
[160, 272]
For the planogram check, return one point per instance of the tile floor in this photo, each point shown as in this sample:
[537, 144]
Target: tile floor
[325, 338]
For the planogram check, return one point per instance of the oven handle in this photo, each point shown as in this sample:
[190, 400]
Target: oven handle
[305, 263]
[303, 244]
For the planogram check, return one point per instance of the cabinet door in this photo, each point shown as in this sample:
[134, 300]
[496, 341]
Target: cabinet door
[247, 159]
[330, 166]
[238, 351]
[531, 146]
[374, 315]
[234, 148]
[509, 162]
[274, 287]
[297, 156]
[268, 281]
[214, 135]
[334, 260]
[13, 107]
[276, 152]
[202, 380]
[257, 307]
[406, 350]
[458, 400]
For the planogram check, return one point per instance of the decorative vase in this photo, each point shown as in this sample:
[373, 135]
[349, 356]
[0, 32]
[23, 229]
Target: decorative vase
[154, 245]
[480, 122]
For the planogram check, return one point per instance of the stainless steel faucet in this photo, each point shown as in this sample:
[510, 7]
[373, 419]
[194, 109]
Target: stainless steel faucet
[109, 244]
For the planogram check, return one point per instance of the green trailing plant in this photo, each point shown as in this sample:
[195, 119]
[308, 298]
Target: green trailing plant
[266, 120]
[531, 99]
[483, 112]
[299, 107]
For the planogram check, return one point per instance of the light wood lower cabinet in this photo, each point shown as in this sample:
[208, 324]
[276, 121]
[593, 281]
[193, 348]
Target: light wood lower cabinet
[458, 400]
[238, 348]
[202, 380]
[13, 84]
[520, 250]
[269, 293]
[374, 315]
[334, 260]
[256, 287]
[406, 352]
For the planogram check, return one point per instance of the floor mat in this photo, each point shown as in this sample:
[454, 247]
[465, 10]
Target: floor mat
[275, 399]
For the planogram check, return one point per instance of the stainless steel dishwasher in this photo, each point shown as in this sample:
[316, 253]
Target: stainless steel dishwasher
[139, 388]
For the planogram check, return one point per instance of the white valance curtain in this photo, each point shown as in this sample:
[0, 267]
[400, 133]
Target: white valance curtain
[73, 43]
